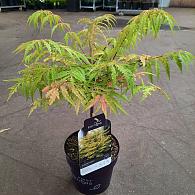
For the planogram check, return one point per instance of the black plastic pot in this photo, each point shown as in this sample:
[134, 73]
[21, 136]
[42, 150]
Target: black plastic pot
[92, 183]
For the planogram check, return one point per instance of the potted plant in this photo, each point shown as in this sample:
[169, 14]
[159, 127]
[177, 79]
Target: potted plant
[91, 70]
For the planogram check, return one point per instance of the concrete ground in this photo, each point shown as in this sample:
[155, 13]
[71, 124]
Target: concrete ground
[157, 138]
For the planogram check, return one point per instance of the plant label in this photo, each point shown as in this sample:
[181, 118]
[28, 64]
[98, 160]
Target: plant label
[94, 144]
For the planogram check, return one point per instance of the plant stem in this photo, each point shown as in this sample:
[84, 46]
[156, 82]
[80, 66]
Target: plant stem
[91, 111]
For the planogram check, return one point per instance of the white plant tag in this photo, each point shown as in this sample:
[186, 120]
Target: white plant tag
[94, 145]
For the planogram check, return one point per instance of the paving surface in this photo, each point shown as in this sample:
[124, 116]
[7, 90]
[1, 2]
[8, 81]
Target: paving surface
[157, 138]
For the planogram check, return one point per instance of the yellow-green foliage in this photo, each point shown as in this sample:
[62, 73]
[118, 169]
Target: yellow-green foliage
[94, 144]
[89, 67]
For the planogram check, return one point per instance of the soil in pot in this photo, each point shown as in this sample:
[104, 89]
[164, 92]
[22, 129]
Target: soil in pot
[95, 182]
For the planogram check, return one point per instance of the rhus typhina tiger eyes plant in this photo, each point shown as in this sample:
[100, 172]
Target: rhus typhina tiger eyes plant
[90, 68]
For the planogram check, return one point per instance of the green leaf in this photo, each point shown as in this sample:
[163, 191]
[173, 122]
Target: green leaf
[119, 106]
[78, 73]
[114, 75]
[166, 65]
[60, 75]
[157, 69]
[178, 61]
[90, 64]
[149, 70]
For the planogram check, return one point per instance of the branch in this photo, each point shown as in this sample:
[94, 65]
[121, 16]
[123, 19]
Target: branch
[138, 27]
